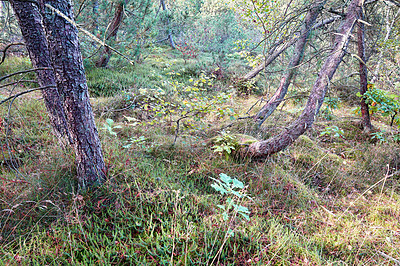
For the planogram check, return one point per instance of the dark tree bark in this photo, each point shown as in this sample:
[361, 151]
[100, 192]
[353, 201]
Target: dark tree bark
[65, 54]
[365, 119]
[30, 22]
[265, 148]
[111, 34]
[276, 52]
[296, 59]
[171, 40]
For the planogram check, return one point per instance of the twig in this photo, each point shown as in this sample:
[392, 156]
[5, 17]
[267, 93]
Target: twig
[93, 37]
[23, 72]
[186, 116]
[5, 50]
[15, 181]
[390, 258]
[16, 82]
[25, 92]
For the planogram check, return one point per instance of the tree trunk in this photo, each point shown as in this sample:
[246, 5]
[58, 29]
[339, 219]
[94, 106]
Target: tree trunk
[275, 53]
[389, 28]
[30, 22]
[365, 120]
[171, 40]
[265, 148]
[111, 34]
[299, 49]
[70, 77]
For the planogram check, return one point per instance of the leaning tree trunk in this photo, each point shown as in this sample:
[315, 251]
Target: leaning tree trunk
[276, 52]
[30, 22]
[66, 56]
[299, 49]
[171, 40]
[265, 148]
[111, 35]
[365, 119]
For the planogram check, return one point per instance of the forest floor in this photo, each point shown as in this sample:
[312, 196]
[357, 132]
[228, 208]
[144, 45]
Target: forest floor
[331, 198]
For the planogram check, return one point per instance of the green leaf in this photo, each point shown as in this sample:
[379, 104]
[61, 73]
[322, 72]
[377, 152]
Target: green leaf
[240, 208]
[237, 183]
[225, 178]
[219, 188]
[109, 121]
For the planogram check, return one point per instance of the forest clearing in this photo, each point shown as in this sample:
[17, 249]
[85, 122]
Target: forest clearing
[194, 132]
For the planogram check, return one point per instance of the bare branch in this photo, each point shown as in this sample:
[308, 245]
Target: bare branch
[23, 72]
[25, 92]
[5, 50]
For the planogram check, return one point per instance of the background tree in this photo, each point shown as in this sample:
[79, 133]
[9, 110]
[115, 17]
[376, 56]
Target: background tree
[316, 98]
[298, 53]
[111, 35]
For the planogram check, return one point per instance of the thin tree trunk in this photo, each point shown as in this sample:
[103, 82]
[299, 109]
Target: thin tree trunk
[30, 22]
[365, 120]
[70, 77]
[299, 49]
[171, 40]
[111, 34]
[265, 148]
[389, 27]
[254, 72]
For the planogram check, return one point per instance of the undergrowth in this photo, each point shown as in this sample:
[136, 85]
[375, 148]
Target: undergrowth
[325, 200]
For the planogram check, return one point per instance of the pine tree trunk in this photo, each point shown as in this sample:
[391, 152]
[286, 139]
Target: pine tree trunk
[298, 54]
[265, 148]
[30, 22]
[70, 77]
[365, 119]
[171, 40]
[111, 34]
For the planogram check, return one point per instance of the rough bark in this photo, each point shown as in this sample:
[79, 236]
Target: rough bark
[111, 35]
[30, 22]
[70, 77]
[276, 52]
[171, 40]
[296, 59]
[365, 119]
[265, 148]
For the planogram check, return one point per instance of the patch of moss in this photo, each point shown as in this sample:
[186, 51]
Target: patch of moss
[305, 141]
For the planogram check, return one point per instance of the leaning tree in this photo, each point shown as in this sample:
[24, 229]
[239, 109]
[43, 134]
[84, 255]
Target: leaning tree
[51, 38]
[275, 144]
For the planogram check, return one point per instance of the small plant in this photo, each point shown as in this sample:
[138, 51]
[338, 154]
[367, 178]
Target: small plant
[330, 103]
[383, 102]
[332, 132]
[396, 137]
[110, 126]
[135, 141]
[235, 189]
[379, 136]
[225, 144]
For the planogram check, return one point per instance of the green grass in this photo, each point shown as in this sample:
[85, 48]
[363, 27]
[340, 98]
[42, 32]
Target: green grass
[322, 201]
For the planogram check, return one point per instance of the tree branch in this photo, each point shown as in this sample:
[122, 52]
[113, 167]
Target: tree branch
[23, 72]
[25, 92]
[6, 48]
